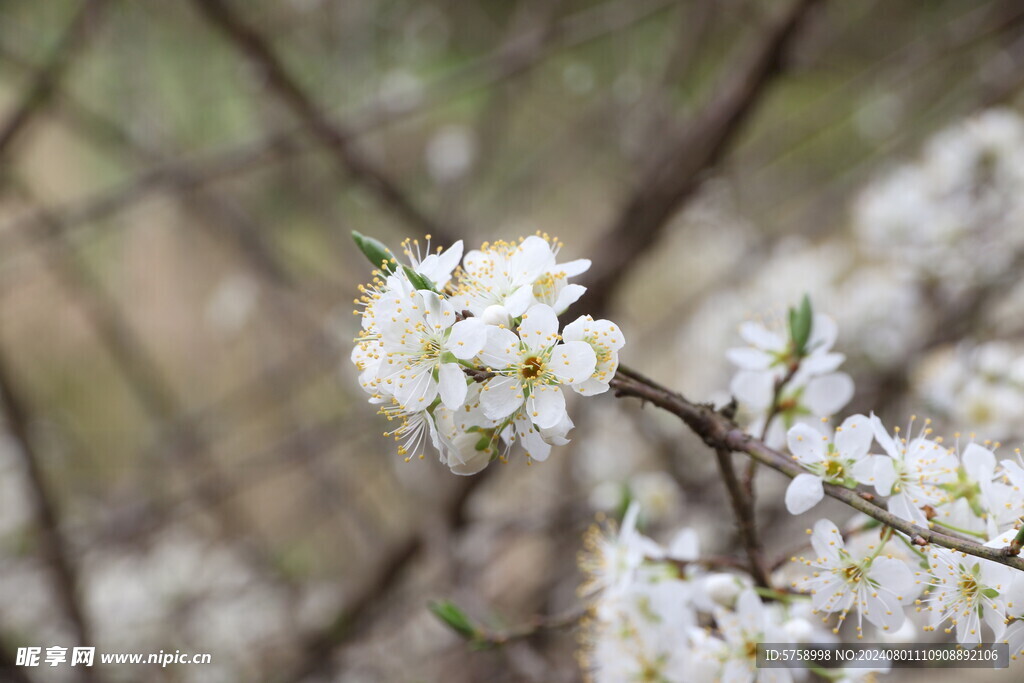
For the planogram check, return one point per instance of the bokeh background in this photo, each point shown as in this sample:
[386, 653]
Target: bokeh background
[187, 462]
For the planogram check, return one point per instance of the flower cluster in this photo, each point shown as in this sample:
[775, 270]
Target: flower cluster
[467, 353]
[958, 206]
[976, 386]
[652, 604]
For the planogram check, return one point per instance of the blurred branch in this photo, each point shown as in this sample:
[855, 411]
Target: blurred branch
[54, 548]
[720, 432]
[335, 138]
[742, 507]
[9, 670]
[41, 88]
[574, 30]
[679, 166]
[154, 392]
[316, 650]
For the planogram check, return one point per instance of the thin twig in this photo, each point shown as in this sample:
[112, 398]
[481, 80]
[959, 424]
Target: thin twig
[42, 87]
[348, 623]
[338, 140]
[680, 166]
[54, 548]
[742, 510]
[719, 432]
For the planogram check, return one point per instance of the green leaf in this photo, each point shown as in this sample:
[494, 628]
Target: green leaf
[990, 593]
[379, 255]
[800, 321]
[419, 281]
[454, 618]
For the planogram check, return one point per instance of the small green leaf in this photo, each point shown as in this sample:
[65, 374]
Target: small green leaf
[419, 281]
[976, 569]
[483, 443]
[990, 593]
[800, 321]
[379, 255]
[454, 618]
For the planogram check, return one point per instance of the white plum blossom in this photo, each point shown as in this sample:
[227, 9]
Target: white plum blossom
[531, 367]
[436, 266]
[613, 558]
[912, 474]
[606, 339]
[877, 585]
[836, 460]
[517, 275]
[750, 623]
[775, 381]
[421, 350]
[966, 591]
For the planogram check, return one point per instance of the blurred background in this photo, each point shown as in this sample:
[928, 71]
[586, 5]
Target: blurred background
[187, 462]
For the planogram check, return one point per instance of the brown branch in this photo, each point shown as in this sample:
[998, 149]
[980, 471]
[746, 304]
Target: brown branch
[335, 138]
[40, 90]
[680, 166]
[54, 548]
[744, 514]
[719, 432]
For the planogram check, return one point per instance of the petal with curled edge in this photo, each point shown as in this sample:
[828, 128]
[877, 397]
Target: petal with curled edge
[803, 493]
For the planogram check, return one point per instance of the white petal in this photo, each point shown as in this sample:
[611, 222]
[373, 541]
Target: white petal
[467, 338]
[902, 505]
[531, 440]
[439, 267]
[518, 301]
[572, 362]
[821, 363]
[827, 541]
[569, 295]
[592, 387]
[749, 358]
[530, 259]
[546, 406]
[501, 349]
[577, 329]
[685, 546]
[471, 465]
[573, 268]
[827, 394]
[417, 390]
[761, 337]
[539, 328]
[897, 576]
[501, 396]
[437, 313]
[883, 438]
[753, 389]
[854, 437]
[881, 474]
[807, 444]
[823, 333]
[804, 492]
[979, 461]
[749, 606]
[882, 609]
[452, 385]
